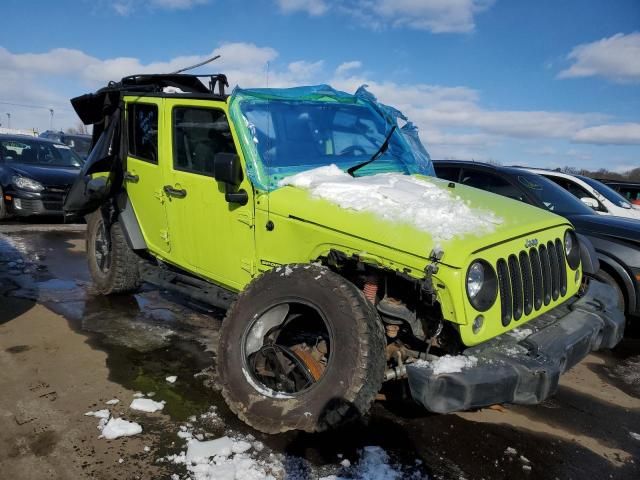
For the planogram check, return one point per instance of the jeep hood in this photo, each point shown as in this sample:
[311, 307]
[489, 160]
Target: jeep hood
[412, 214]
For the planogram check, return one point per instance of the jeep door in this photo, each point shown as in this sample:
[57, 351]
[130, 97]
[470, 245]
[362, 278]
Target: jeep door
[144, 176]
[209, 236]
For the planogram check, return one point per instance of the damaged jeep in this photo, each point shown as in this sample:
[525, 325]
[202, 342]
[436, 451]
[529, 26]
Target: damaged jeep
[313, 217]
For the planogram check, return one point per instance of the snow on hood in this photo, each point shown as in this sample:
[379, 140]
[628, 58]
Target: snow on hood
[398, 198]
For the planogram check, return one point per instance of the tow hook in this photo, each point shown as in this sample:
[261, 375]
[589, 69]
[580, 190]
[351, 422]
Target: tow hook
[427, 285]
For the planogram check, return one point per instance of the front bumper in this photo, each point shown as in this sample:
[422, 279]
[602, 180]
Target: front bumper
[24, 203]
[525, 368]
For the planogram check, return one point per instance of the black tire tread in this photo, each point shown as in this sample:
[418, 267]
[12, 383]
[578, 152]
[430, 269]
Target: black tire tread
[371, 338]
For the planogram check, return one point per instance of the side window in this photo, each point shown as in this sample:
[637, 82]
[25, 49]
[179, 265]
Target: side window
[142, 119]
[491, 183]
[198, 135]
[448, 173]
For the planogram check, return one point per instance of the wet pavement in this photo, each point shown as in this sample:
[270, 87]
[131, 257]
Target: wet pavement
[584, 431]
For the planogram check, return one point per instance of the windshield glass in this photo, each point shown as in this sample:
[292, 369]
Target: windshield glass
[38, 152]
[607, 192]
[552, 196]
[80, 145]
[290, 135]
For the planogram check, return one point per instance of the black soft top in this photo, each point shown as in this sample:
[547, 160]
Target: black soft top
[92, 108]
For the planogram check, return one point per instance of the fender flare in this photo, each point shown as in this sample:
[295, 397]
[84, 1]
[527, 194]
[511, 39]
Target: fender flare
[621, 274]
[129, 223]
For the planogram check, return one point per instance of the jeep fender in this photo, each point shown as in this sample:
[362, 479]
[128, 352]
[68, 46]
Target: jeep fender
[612, 265]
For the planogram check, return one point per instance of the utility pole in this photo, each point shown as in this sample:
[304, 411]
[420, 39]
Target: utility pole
[51, 119]
[8, 120]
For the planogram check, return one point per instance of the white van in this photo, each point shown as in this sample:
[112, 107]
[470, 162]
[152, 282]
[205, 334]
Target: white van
[604, 200]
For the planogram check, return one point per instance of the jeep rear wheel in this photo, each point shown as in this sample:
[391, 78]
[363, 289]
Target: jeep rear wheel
[112, 263]
[300, 349]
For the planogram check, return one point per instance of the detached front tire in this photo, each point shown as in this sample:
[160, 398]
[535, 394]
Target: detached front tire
[113, 265]
[300, 349]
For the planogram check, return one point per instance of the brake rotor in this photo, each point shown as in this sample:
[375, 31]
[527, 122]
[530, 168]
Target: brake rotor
[305, 355]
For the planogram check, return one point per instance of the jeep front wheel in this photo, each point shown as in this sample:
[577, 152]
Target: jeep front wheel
[300, 349]
[112, 263]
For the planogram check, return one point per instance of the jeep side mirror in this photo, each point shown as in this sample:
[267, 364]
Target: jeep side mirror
[227, 169]
[590, 202]
[97, 187]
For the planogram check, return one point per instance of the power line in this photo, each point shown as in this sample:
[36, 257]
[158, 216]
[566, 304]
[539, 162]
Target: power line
[48, 107]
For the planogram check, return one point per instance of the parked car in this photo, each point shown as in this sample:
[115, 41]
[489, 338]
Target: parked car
[629, 190]
[80, 143]
[594, 194]
[314, 218]
[616, 240]
[35, 175]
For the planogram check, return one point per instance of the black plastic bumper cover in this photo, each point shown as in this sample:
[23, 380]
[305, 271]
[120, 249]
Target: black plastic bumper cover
[511, 369]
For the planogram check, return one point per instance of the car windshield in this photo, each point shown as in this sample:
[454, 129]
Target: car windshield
[552, 196]
[80, 145]
[38, 152]
[293, 135]
[607, 192]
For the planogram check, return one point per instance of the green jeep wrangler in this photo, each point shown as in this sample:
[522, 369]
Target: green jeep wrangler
[314, 218]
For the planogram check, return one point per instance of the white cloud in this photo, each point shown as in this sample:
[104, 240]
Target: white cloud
[127, 7]
[437, 16]
[616, 58]
[347, 67]
[614, 134]
[312, 7]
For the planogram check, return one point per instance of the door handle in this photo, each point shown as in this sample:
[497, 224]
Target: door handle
[175, 192]
[130, 177]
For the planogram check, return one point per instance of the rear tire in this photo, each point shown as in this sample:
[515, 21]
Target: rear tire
[281, 310]
[113, 265]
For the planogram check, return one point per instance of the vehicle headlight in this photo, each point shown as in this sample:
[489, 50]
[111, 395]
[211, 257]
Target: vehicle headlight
[482, 285]
[26, 183]
[572, 249]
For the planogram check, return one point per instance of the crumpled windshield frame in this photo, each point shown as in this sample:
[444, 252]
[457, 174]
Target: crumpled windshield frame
[406, 153]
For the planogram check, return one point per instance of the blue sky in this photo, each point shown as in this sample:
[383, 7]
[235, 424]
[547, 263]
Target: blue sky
[545, 83]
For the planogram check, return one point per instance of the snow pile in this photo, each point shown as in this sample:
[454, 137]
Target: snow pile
[520, 333]
[113, 401]
[117, 427]
[373, 465]
[448, 364]
[146, 405]
[103, 415]
[171, 379]
[225, 459]
[398, 198]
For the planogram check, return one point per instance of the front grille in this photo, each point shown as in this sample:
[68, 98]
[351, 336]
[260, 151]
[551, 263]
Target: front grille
[531, 279]
[53, 196]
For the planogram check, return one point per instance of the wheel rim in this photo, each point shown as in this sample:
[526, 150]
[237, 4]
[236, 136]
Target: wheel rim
[102, 247]
[287, 349]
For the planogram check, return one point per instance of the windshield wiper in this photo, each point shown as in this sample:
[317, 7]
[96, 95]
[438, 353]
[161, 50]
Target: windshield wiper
[383, 148]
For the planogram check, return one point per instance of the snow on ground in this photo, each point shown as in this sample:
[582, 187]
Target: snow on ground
[103, 415]
[146, 405]
[113, 401]
[117, 427]
[634, 435]
[448, 363]
[171, 379]
[398, 198]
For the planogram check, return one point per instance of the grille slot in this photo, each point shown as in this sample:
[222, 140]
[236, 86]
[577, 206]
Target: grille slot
[516, 286]
[563, 267]
[531, 279]
[536, 273]
[527, 282]
[505, 291]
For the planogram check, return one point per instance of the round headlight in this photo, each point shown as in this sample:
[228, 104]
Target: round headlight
[475, 279]
[572, 249]
[482, 285]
